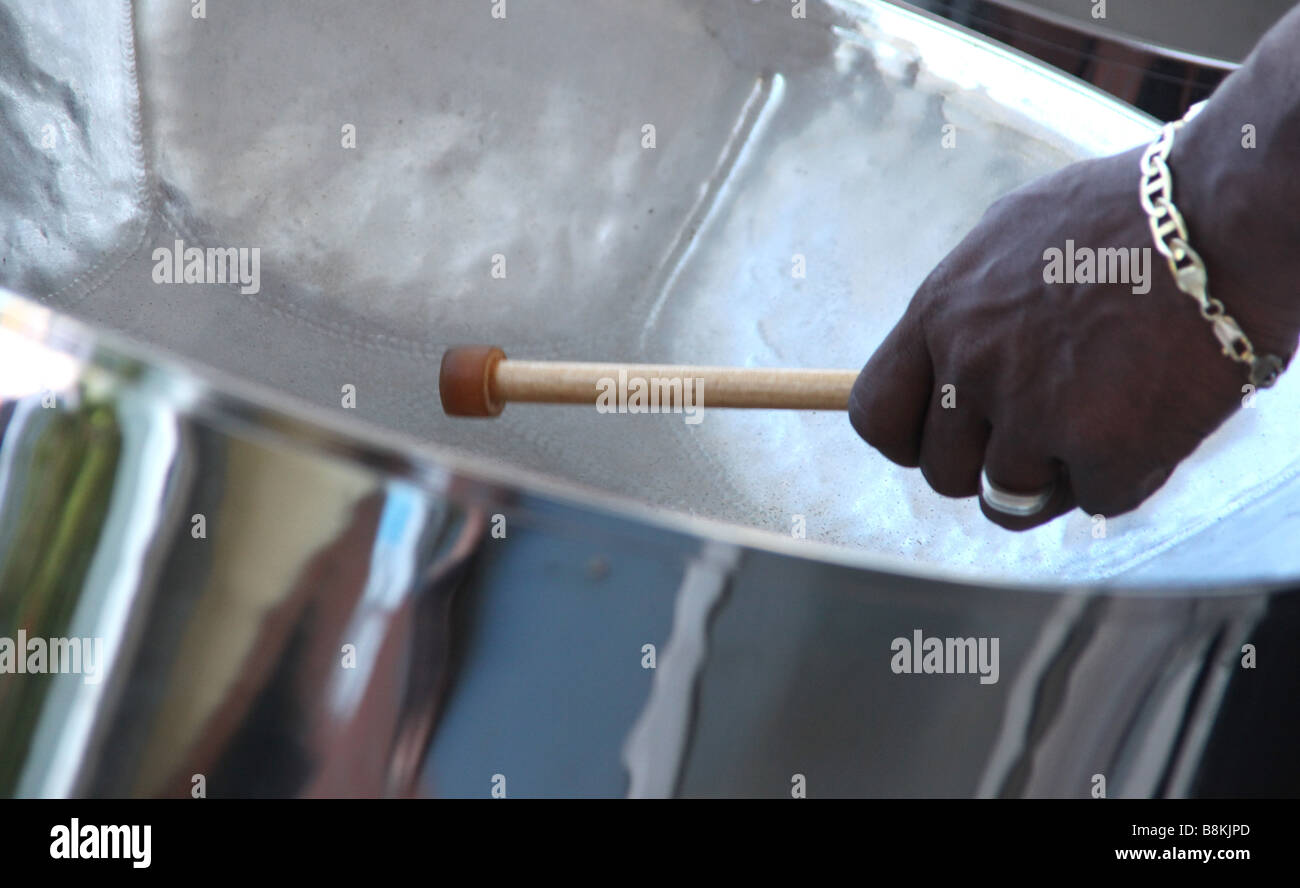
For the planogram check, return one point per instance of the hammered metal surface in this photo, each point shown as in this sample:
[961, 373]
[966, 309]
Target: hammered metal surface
[523, 137]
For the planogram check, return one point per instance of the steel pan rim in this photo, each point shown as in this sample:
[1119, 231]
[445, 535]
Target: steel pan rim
[229, 404]
[943, 28]
[1021, 13]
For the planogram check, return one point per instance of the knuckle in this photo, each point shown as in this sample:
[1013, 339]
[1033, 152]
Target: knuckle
[876, 424]
[897, 452]
[948, 479]
[1117, 487]
[1108, 501]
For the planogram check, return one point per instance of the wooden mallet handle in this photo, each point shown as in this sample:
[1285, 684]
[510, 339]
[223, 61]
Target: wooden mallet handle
[478, 380]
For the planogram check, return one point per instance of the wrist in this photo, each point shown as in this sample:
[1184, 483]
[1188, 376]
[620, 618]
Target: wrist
[1236, 180]
[1240, 211]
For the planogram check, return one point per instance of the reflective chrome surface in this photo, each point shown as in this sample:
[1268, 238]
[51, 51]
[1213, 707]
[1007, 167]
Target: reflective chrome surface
[357, 614]
[347, 622]
[779, 144]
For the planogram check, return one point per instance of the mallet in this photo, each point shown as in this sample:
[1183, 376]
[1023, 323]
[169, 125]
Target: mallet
[478, 380]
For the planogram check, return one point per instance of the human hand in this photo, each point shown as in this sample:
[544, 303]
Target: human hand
[1097, 390]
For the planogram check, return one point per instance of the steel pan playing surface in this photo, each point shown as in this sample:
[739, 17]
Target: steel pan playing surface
[774, 138]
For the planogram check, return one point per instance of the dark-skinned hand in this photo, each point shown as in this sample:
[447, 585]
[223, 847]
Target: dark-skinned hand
[1094, 388]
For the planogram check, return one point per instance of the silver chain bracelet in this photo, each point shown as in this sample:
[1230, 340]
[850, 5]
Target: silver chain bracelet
[1170, 233]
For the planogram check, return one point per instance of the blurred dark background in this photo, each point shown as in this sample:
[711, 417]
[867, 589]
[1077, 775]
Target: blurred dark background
[1161, 55]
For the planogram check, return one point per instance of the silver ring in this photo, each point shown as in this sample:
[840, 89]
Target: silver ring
[1021, 505]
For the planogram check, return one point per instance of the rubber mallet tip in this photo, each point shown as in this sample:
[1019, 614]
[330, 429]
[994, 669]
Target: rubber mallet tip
[465, 380]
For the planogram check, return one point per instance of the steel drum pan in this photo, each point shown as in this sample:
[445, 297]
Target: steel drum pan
[308, 581]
